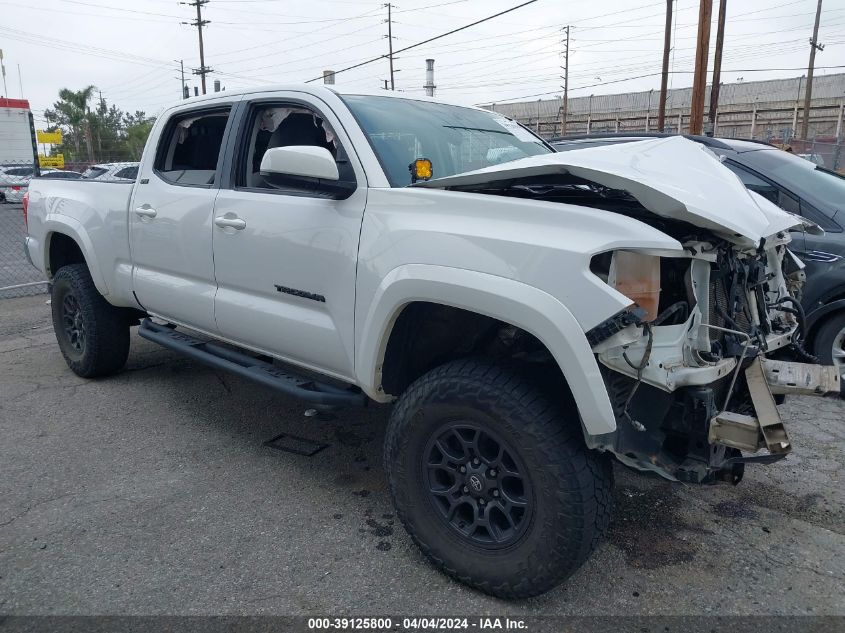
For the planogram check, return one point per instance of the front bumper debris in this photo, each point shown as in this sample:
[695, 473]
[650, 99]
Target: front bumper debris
[802, 378]
[765, 378]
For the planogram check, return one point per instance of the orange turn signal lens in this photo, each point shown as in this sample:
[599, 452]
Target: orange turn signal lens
[637, 276]
[421, 169]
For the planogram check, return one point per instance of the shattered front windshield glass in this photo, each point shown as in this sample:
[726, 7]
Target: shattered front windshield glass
[454, 138]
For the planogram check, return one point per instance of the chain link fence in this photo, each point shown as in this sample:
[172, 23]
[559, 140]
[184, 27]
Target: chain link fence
[18, 278]
[827, 153]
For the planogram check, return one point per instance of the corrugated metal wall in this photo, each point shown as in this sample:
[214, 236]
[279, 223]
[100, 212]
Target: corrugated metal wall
[756, 109]
[825, 87]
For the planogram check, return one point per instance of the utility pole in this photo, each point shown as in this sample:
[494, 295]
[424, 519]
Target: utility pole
[99, 134]
[664, 79]
[565, 112]
[3, 69]
[717, 65]
[203, 70]
[183, 88]
[699, 82]
[808, 91]
[390, 42]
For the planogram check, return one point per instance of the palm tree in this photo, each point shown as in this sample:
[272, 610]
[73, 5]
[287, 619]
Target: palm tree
[71, 110]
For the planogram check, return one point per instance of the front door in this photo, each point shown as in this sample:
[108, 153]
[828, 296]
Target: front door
[285, 259]
[170, 219]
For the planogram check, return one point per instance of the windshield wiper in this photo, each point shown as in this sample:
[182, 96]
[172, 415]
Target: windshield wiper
[476, 129]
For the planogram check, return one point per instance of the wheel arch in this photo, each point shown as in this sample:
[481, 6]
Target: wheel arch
[820, 315]
[486, 297]
[65, 243]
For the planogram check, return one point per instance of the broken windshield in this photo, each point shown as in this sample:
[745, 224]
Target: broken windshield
[454, 138]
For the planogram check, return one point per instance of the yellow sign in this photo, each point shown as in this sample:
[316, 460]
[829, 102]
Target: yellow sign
[56, 162]
[54, 138]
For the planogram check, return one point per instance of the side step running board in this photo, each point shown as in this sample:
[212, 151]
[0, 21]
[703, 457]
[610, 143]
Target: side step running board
[221, 357]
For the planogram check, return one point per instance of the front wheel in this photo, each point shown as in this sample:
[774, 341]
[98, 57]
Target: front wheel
[493, 481]
[92, 334]
[829, 344]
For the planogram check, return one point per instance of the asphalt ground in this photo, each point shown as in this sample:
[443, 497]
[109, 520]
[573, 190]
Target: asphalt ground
[152, 492]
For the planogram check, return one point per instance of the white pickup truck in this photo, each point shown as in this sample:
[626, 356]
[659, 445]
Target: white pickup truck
[530, 314]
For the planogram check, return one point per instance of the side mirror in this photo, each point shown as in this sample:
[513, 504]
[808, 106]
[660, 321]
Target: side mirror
[305, 167]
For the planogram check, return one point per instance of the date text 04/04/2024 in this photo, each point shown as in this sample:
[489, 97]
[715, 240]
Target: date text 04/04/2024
[418, 624]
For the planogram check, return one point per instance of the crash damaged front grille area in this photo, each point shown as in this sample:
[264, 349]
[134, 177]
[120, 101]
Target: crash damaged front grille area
[670, 436]
[743, 298]
[692, 390]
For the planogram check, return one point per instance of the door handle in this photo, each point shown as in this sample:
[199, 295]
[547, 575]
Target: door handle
[146, 211]
[230, 223]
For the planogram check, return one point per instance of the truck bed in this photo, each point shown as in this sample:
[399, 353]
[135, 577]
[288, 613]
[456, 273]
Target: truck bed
[98, 213]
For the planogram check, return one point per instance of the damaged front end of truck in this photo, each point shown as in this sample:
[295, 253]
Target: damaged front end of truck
[713, 337]
[694, 381]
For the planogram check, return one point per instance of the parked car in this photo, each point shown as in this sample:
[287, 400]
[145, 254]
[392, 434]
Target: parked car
[13, 181]
[529, 314]
[817, 159]
[111, 172]
[18, 179]
[62, 174]
[799, 186]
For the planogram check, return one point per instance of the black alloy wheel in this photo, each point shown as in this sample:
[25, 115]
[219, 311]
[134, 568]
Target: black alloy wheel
[478, 484]
[74, 323]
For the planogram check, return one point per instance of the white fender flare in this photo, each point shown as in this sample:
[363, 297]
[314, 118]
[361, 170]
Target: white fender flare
[513, 302]
[57, 223]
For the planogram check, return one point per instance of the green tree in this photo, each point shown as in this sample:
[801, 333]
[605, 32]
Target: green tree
[104, 134]
[70, 114]
[136, 130]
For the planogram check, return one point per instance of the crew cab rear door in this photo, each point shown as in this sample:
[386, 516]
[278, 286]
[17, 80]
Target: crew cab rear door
[285, 257]
[170, 215]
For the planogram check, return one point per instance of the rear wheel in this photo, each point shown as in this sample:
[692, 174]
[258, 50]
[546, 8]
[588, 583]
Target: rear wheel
[92, 334]
[493, 481]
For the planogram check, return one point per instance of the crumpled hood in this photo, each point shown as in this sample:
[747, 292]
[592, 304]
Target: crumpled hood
[672, 177]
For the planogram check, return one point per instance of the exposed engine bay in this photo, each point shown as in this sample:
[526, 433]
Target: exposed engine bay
[711, 342]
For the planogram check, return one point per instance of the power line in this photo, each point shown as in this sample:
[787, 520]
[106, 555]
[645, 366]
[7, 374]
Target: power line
[431, 39]
[81, 14]
[283, 65]
[677, 72]
[84, 49]
[297, 36]
[755, 51]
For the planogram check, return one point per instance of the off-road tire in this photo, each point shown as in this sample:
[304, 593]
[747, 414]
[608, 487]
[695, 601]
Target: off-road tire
[571, 484]
[105, 344]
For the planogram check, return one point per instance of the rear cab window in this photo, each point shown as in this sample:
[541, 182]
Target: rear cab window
[188, 149]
